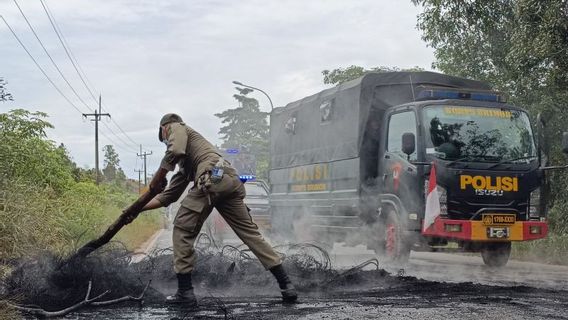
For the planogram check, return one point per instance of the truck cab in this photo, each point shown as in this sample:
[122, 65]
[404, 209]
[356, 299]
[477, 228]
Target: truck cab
[483, 157]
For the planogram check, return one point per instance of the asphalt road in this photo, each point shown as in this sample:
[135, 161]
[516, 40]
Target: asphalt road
[434, 286]
[457, 268]
[443, 267]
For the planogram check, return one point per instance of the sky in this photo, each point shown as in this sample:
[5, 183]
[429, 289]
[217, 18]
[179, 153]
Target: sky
[147, 58]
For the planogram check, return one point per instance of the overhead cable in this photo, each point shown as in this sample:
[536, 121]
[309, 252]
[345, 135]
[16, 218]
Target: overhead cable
[49, 55]
[76, 65]
[39, 67]
[119, 138]
[67, 50]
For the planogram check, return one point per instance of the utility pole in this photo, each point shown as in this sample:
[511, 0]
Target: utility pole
[97, 117]
[139, 179]
[143, 155]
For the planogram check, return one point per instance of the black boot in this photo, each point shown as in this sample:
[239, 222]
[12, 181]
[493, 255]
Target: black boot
[184, 294]
[286, 287]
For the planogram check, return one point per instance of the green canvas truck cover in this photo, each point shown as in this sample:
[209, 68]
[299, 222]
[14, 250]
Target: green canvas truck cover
[330, 125]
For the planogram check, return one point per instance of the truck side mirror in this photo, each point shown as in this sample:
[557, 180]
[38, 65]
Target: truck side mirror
[565, 142]
[408, 143]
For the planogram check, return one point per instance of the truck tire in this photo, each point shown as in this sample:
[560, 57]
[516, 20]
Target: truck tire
[396, 248]
[496, 254]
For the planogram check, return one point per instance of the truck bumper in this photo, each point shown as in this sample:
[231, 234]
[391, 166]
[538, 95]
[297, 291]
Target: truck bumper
[477, 231]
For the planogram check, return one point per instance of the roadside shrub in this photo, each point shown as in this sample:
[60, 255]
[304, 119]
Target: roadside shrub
[553, 249]
[46, 202]
[558, 218]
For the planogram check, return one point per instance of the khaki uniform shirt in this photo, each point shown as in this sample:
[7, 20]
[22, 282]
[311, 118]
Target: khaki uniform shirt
[192, 153]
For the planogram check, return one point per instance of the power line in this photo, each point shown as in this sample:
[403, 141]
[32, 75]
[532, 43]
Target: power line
[119, 138]
[49, 16]
[113, 143]
[75, 62]
[39, 67]
[50, 58]
[127, 136]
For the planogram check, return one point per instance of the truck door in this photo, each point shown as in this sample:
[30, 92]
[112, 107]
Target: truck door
[399, 176]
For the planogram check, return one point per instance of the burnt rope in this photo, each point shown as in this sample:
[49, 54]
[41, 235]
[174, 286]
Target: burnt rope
[354, 270]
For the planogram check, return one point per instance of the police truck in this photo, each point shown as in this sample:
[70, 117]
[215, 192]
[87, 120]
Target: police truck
[407, 161]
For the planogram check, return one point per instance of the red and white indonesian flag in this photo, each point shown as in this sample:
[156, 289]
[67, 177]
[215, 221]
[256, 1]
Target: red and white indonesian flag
[432, 201]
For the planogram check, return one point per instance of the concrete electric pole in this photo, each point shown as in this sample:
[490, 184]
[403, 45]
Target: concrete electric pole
[96, 118]
[139, 180]
[143, 155]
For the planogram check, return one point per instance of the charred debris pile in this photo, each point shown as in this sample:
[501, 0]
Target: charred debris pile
[47, 286]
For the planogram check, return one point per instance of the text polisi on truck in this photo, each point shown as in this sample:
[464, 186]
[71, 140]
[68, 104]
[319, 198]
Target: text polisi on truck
[407, 161]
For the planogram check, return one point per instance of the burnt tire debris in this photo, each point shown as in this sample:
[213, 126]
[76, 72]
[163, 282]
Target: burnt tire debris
[222, 277]
[47, 285]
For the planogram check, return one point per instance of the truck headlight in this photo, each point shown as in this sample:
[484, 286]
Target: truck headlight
[535, 230]
[534, 204]
[442, 194]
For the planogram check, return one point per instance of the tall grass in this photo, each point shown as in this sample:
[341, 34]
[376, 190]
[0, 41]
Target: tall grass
[37, 218]
[553, 249]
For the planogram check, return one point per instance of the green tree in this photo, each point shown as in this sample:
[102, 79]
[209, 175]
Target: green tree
[112, 171]
[246, 128]
[519, 46]
[341, 75]
[4, 95]
[27, 155]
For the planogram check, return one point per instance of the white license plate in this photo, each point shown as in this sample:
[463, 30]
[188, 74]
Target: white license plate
[498, 233]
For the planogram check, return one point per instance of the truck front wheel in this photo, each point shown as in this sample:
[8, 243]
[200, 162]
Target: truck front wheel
[396, 247]
[496, 254]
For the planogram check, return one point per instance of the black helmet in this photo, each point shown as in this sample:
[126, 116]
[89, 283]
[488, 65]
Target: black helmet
[169, 117]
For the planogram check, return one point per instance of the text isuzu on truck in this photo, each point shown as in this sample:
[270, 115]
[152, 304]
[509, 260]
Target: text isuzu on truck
[408, 161]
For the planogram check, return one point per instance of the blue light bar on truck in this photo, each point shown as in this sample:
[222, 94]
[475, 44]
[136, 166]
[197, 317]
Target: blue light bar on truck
[232, 151]
[247, 177]
[431, 94]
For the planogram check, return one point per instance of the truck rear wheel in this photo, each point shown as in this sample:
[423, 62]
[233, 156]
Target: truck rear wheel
[496, 254]
[396, 248]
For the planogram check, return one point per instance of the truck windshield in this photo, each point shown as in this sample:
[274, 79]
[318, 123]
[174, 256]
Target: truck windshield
[477, 133]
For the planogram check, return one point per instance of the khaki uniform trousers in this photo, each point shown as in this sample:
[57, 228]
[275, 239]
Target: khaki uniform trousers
[227, 197]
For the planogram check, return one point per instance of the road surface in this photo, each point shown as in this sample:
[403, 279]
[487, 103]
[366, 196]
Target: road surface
[434, 286]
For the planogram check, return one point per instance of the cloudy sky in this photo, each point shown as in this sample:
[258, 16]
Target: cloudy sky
[150, 57]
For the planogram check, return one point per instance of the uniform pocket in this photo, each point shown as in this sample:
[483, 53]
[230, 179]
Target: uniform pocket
[194, 203]
[189, 213]
[223, 187]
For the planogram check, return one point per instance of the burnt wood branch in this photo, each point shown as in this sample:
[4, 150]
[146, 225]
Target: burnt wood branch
[51, 314]
[139, 298]
[88, 301]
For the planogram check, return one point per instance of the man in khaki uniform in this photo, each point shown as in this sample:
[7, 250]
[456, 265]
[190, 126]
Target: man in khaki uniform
[196, 158]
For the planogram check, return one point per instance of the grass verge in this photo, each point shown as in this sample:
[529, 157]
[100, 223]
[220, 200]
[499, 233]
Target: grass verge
[552, 250]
